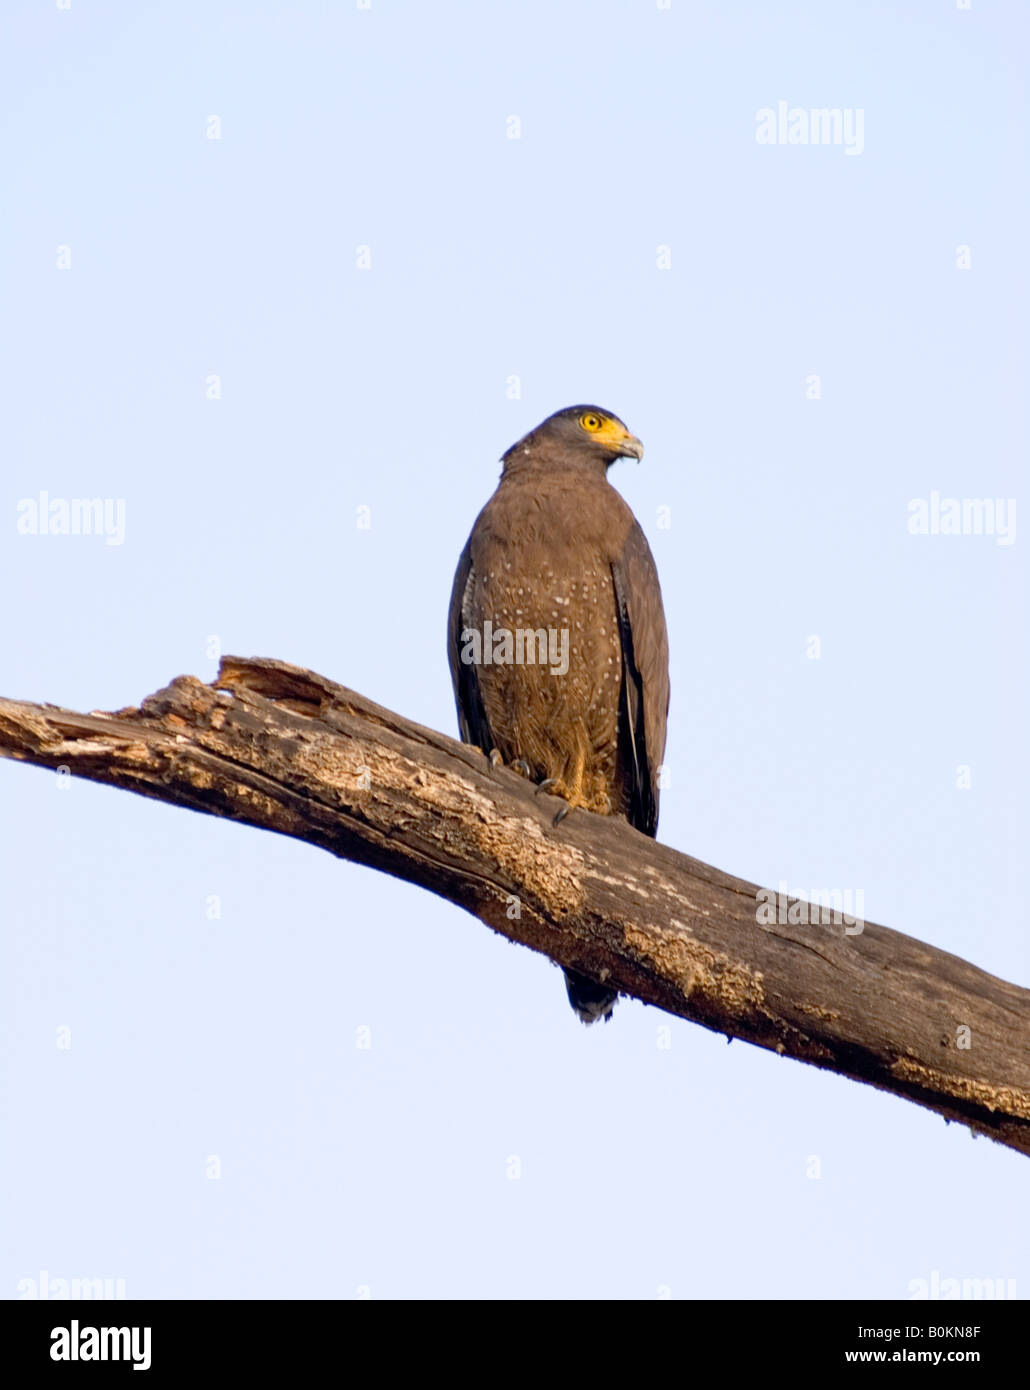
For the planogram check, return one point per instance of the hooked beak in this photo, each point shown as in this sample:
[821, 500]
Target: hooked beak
[631, 447]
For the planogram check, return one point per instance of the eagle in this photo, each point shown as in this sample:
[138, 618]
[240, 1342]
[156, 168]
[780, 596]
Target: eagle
[557, 642]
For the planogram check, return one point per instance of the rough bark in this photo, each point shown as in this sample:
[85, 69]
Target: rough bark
[286, 750]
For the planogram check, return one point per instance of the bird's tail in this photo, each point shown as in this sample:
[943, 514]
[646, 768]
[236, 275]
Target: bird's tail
[590, 1000]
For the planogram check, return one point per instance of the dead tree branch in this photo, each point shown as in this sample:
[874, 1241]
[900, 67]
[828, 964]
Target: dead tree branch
[286, 750]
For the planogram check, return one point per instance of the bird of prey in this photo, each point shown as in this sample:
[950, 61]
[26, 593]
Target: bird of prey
[556, 638]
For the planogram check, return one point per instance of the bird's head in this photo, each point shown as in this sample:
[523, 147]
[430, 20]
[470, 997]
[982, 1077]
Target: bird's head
[578, 434]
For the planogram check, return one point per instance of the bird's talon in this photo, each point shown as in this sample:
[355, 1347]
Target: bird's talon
[495, 757]
[563, 812]
[547, 785]
[520, 765]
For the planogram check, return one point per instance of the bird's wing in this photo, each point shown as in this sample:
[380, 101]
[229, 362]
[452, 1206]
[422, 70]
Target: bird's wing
[465, 676]
[645, 665]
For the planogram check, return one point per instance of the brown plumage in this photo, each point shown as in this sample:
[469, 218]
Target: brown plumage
[581, 699]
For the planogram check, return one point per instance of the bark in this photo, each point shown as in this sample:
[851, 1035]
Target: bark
[286, 750]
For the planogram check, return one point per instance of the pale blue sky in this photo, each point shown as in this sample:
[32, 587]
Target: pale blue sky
[641, 1168]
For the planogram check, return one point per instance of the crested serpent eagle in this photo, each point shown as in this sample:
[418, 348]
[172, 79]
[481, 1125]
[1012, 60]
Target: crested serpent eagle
[556, 638]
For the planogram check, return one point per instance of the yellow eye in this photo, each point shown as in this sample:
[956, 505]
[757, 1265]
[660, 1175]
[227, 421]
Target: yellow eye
[590, 422]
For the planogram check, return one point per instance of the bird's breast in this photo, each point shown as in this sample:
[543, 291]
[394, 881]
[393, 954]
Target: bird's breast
[543, 602]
